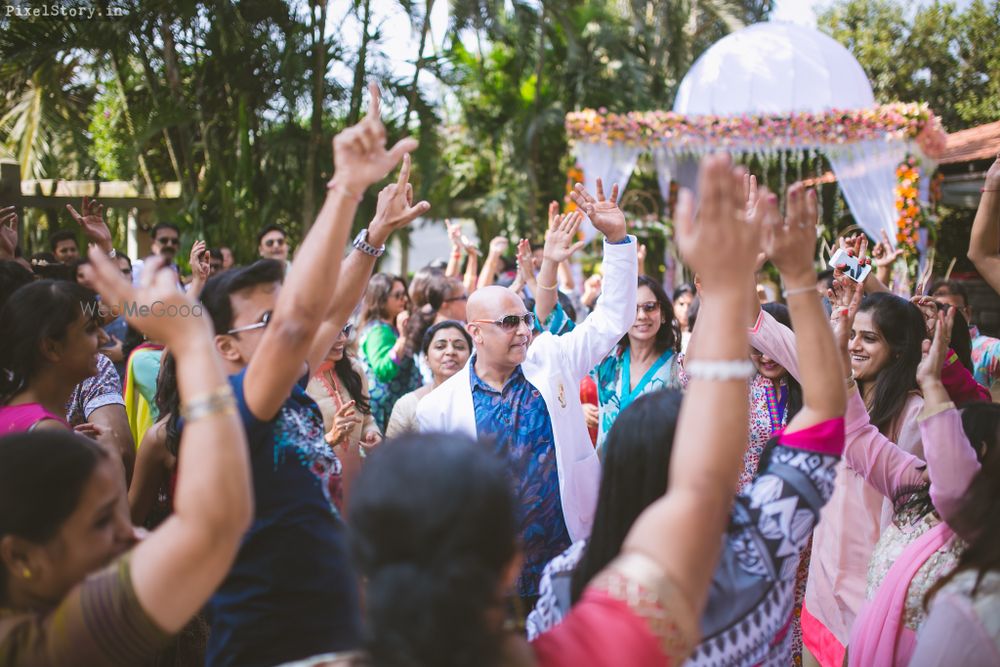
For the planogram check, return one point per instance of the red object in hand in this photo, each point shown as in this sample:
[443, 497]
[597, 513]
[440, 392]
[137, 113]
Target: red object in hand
[588, 394]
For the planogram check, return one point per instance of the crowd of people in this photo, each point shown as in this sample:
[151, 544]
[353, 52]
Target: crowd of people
[297, 461]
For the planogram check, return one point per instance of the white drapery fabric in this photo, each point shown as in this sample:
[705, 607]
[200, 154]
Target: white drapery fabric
[612, 164]
[866, 174]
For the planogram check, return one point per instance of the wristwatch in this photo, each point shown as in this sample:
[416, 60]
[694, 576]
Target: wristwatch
[361, 243]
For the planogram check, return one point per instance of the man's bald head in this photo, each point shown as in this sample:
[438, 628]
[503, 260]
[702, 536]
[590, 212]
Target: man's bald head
[496, 347]
[492, 303]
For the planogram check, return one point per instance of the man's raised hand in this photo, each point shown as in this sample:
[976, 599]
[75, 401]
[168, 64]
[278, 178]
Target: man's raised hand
[395, 208]
[359, 153]
[92, 222]
[605, 215]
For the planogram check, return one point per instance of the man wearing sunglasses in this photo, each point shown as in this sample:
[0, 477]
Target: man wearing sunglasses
[526, 400]
[166, 243]
[272, 243]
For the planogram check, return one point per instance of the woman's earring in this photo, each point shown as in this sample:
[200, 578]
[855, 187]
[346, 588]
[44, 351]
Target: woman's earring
[26, 573]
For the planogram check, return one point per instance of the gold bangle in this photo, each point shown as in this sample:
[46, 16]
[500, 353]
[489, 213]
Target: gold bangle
[541, 286]
[219, 401]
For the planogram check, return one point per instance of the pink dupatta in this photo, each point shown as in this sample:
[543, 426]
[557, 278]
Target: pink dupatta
[879, 638]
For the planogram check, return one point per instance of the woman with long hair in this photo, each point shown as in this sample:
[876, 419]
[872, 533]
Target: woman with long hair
[442, 299]
[447, 347]
[340, 389]
[50, 339]
[76, 588]
[385, 350]
[920, 545]
[885, 345]
[645, 360]
[150, 496]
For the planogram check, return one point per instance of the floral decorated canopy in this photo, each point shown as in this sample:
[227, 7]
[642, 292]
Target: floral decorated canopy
[767, 91]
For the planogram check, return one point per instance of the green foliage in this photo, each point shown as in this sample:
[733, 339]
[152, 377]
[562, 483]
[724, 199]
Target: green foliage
[219, 96]
[932, 53]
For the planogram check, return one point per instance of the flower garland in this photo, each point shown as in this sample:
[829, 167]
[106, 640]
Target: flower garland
[911, 216]
[777, 131]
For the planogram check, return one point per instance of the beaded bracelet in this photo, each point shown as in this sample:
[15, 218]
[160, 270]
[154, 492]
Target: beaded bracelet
[736, 369]
[219, 401]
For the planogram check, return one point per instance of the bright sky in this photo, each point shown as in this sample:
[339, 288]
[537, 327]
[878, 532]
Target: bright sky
[798, 11]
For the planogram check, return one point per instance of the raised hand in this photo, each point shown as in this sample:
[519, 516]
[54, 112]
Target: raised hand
[395, 208]
[523, 257]
[935, 352]
[845, 296]
[156, 308]
[8, 232]
[790, 244]
[559, 241]
[201, 265]
[929, 309]
[605, 215]
[498, 246]
[92, 221]
[359, 153]
[722, 246]
[883, 253]
[454, 234]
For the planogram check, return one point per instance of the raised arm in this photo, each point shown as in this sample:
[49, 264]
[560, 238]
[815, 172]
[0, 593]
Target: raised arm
[682, 531]
[984, 242]
[488, 276]
[361, 159]
[559, 247]
[951, 460]
[791, 245]
[614, 313]
[395, 210]
[213, 501]
[201, 267]
[455, 259]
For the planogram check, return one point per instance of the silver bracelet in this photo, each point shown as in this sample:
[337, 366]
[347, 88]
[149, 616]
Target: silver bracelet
[736, 369]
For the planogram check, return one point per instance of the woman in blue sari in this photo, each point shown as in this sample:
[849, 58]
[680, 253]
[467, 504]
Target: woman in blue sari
[647, 358]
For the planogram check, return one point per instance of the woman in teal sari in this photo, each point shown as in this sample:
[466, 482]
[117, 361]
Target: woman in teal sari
[647, 358]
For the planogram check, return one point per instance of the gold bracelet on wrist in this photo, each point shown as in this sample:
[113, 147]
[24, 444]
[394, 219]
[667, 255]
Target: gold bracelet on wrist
[545, 287]
[219, 401]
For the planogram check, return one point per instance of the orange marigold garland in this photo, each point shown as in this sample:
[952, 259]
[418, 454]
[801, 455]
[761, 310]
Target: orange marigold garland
[911, 215]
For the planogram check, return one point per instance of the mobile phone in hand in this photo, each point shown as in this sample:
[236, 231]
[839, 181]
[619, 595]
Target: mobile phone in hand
[853, 269]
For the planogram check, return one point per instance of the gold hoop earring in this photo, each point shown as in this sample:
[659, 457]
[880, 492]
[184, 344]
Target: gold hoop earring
[26, 573]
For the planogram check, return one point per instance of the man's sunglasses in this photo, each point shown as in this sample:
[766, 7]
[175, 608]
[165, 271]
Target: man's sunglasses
[264, 319]
[511, 322]
[270, 243]
[168, 240]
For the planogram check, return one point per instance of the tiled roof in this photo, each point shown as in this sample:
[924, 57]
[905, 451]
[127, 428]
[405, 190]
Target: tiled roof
[976, 143]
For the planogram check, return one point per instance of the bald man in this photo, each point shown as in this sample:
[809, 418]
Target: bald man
[526, 401]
